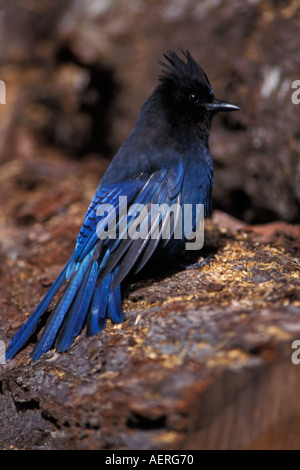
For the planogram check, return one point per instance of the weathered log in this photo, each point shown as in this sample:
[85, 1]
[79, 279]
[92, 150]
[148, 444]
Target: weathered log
[203, 359]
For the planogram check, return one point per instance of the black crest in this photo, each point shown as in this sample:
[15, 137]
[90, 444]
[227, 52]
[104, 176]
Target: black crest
[184, 72]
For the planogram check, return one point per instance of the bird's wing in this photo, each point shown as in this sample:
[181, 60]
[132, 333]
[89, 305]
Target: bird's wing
[93, 274]
[132, 248]
[160, 198]
[107, 197]
[77, 275]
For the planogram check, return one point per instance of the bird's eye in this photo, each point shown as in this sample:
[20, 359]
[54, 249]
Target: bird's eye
[193, 98]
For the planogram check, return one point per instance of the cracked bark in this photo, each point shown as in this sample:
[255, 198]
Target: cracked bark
[203, 359]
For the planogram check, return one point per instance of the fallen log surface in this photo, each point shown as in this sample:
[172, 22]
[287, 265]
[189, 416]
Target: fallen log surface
[203, 359]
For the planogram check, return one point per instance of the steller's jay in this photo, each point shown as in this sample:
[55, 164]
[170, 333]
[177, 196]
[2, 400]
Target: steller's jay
[165, 160]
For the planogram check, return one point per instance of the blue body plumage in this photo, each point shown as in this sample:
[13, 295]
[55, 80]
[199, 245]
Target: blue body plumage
[165, 160]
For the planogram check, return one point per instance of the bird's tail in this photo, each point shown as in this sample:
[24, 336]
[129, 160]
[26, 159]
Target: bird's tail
[83, 298]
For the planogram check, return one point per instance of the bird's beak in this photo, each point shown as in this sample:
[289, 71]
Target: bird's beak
[218, 105]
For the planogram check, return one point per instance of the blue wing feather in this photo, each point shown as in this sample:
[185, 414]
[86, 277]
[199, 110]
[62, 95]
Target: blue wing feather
[30, 326]
[57, 316]
[96, 268]
[77, 313]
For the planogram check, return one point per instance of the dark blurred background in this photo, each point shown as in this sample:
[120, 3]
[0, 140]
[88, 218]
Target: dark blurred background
[77, 73]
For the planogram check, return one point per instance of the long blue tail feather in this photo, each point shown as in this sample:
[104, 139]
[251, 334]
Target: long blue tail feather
[115, 311]
[94, 312]
[57, 316]
[30, 326]
[106, 303]
[76, 315]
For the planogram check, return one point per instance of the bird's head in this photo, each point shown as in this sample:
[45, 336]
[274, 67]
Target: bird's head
[186, 91]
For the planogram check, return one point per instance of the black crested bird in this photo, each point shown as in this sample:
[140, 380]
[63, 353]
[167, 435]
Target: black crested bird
[165, 160]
